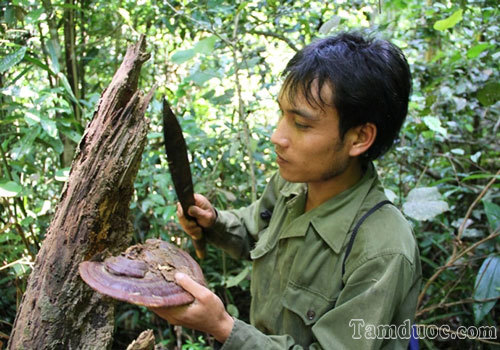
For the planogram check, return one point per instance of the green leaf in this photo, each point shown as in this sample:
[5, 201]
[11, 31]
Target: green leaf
[489, 94]
[39, 63]
[235, 280]
[24, 145]
[487, 280]
[434, 124]
[492, 211]
[49, 126]
[205, 46]
[125, 14]
[424, 203]
[73, 135]
[10, 189]
[450, 21]
[390, 195]
[62, 174]
[33, 16]
[232, 310]
[475, 156]
[54, 57]
[201, 77]
[56, 144]
[475, 51]
[329, 25]
[67, 87]
[182, 56]
[10, 60]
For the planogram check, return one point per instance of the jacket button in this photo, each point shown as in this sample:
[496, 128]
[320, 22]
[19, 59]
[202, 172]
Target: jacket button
[266, 215]
[310, 315]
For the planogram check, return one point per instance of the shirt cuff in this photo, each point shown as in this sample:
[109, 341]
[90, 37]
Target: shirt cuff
[243, 336]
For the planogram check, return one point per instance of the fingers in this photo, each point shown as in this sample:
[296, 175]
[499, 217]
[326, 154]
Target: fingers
[190, 285]
[191, 227]
[202, 211]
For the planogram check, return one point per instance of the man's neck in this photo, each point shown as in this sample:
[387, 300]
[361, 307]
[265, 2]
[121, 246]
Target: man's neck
[321, 191]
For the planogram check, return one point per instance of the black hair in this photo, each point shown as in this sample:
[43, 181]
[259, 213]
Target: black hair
[370, 80]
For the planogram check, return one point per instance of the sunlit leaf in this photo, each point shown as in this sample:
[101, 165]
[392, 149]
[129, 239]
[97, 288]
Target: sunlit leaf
[424, 203]
[475, 51]
[201, 77]
[205, 46]
[24, 146]
[10, 189]
[450, 21]
[434, 124]
[329, 25]
[49, 126]
[62, 174]
[54, 57]
[475, 156]
[10, 60]
[182, 56]
[390, 195]
[487, 280]
[34, 15]
[125, 15]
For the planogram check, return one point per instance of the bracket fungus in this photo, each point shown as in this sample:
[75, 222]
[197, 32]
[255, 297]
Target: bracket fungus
[144, 274]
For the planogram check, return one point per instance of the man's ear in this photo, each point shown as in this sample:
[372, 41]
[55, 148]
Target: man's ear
[362, 138]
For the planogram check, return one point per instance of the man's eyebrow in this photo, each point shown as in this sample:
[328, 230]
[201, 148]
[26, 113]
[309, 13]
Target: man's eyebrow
[301, 112]
[304, 114]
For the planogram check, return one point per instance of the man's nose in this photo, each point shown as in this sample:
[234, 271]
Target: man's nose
[279, 137]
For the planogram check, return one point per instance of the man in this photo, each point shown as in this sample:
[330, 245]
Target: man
[342, 105]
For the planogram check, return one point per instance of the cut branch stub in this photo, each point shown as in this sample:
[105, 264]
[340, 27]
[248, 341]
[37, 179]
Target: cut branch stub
[144, 274]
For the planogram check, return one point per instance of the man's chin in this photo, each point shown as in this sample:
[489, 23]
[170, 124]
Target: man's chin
[287, 176]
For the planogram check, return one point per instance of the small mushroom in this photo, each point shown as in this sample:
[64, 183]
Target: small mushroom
[144, 274]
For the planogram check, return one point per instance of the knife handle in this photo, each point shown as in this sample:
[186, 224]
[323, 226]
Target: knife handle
[200, 246]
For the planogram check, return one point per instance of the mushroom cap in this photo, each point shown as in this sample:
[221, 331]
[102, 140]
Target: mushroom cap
[144, 274]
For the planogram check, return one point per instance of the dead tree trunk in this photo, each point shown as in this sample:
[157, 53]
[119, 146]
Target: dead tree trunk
[58, 310]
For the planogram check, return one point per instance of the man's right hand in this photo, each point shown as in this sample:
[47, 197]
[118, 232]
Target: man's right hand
[204, 213]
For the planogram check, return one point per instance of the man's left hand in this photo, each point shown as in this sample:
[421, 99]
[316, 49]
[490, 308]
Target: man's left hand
[206, 313]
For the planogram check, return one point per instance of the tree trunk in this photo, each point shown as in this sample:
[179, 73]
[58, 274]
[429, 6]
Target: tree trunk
[58, 310]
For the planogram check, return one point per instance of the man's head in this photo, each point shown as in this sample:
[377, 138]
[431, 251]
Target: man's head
[370, 80]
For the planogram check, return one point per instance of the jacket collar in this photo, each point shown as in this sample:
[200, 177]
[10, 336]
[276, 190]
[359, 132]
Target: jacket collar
[332, 219]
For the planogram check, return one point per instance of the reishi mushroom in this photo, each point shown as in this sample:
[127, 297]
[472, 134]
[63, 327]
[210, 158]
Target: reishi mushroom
[144, 274]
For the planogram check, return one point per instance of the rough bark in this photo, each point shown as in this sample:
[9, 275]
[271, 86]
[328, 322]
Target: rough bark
[58, 310]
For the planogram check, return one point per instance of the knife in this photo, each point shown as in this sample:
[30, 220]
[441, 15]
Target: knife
[178, 163]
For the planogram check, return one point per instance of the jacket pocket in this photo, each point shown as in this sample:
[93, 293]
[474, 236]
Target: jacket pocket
[308, 305]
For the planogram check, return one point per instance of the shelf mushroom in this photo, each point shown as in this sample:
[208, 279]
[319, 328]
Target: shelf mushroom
[144, 274]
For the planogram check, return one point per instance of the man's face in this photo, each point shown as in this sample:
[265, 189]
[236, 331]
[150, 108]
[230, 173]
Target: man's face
[307, 139]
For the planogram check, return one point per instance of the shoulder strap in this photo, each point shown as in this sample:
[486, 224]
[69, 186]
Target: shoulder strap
[356, 228]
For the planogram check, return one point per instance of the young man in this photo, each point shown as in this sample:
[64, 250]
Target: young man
[313, 285]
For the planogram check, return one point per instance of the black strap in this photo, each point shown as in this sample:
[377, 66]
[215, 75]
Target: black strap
[355, 232]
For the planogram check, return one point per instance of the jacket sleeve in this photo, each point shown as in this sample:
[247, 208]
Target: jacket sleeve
[235, 231]
[370, 297]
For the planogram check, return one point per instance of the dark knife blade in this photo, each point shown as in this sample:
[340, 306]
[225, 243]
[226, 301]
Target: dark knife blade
[178, 163]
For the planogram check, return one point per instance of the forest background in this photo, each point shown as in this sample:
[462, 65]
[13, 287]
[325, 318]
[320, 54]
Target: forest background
[219, 64]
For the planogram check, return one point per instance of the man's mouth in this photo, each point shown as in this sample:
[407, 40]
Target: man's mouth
[280, 159]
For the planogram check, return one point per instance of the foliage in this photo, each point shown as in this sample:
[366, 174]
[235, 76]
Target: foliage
[218, 62]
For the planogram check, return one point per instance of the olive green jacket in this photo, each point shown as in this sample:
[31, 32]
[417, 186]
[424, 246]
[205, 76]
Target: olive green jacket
[299, 298]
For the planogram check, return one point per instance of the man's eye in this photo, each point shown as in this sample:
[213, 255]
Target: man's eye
[301, 126]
